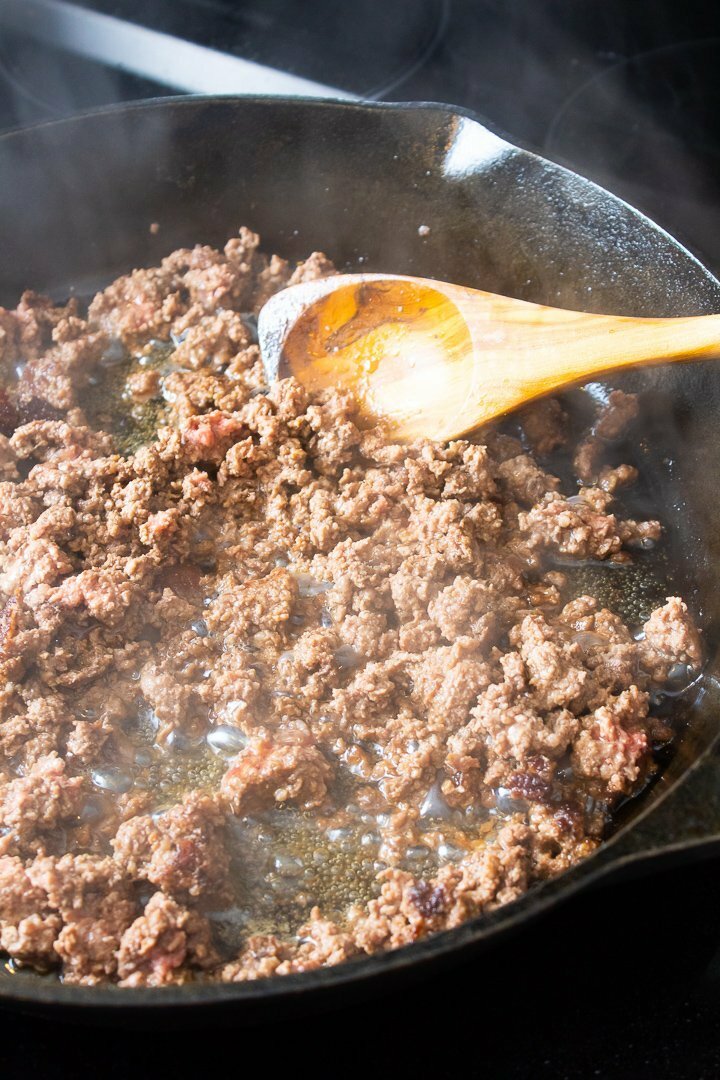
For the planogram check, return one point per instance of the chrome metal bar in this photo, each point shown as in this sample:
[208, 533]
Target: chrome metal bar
[171, 61]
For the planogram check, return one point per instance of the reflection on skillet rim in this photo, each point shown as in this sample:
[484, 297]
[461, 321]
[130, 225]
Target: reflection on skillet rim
[30, 987]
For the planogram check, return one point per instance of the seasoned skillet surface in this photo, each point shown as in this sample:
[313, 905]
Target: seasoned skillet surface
[279, 692]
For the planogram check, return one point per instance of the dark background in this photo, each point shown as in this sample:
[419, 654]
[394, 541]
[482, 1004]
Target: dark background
[622, 982]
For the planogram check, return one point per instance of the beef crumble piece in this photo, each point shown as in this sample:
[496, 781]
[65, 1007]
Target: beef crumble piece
[33, 805]
[163, 945]
[288, 771]
[264, 622]
[71, 910]
[180, 851]
[612, 422]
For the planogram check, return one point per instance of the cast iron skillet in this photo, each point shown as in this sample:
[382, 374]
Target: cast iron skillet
[77, 199]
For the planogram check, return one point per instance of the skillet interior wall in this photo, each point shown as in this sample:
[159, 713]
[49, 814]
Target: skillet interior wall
[77, 200]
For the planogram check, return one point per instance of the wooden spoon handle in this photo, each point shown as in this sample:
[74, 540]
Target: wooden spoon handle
[531, 350]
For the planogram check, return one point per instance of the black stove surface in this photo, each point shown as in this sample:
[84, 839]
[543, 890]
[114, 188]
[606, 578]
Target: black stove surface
[626, 93]
[623, 982]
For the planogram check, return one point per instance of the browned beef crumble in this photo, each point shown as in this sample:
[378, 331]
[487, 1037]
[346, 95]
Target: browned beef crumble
[267, 670]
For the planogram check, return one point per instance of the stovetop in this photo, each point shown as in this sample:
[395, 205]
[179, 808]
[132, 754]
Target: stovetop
[624, 982]
[624, 92]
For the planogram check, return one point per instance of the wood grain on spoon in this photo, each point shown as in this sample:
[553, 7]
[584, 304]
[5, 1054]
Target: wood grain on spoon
[438, 360]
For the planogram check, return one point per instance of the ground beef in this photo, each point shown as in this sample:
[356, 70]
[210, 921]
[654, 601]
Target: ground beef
[573, 528]
[612, 421]
[71, 910]
[180, 851]
[162, 944]
[32, 806]
[290, 771]
[279, 692]
[28, 930]
[670, 638]
[545, 425]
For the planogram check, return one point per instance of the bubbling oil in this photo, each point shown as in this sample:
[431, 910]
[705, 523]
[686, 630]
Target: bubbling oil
[631, 590]
[107, 405]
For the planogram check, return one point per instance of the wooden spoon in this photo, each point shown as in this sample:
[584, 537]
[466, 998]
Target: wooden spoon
[438, 360]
